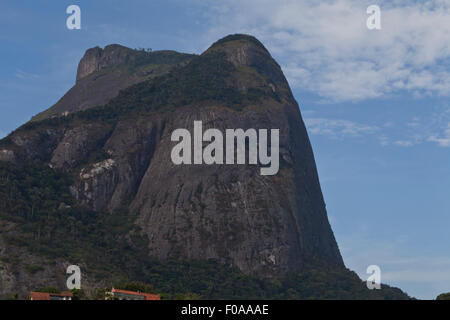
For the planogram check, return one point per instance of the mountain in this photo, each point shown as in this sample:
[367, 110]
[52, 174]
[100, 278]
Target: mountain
[102, 73]
[90, 181]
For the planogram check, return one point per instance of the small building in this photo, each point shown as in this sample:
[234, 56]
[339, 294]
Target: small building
[117, 294]
[65, 295]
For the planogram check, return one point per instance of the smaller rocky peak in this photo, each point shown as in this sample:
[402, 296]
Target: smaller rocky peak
[89, 62]
[96, 59]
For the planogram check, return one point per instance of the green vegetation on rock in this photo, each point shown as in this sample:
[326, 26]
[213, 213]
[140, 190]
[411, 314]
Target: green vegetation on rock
[444, 296]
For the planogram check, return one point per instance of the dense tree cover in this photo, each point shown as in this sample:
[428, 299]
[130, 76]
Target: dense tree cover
[32, 191]
[212, 280]
[444, 296]
[143, 57]
[48, 290]
[112, 250]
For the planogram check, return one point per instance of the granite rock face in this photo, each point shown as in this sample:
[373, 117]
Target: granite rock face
[90, 62]
[264, 225]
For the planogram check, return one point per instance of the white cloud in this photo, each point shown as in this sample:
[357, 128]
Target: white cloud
[338, 128]
[25, 75]
[325, 46]
[404, 143]
[434, 127]
[444, 139]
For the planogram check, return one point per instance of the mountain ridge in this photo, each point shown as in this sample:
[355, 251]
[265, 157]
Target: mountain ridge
[103, 73]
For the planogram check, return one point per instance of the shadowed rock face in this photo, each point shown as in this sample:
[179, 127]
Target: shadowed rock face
[264, 225]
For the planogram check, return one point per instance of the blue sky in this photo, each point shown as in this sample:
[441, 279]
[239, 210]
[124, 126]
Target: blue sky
[376, 103]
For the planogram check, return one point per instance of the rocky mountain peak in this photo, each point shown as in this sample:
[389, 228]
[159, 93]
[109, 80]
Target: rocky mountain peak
[96, 59]
[239, 40]
[246, 51]
[241, 50]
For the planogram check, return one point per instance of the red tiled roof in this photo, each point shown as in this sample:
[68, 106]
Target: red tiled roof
[47, 295]
[147, 296]
[63, 294]
[124, 291]
[40, 296]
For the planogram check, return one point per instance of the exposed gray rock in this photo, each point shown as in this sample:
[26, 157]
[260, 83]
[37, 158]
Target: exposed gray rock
[266, 225]
[89, 63]
[36, 145]
[77, 144]
[96, 184]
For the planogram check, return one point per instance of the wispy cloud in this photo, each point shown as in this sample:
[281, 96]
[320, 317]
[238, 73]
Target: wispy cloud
[404, 143]
[326, 48]
[338, 128]
[433, 127]
[444, 139]
[25, 75]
